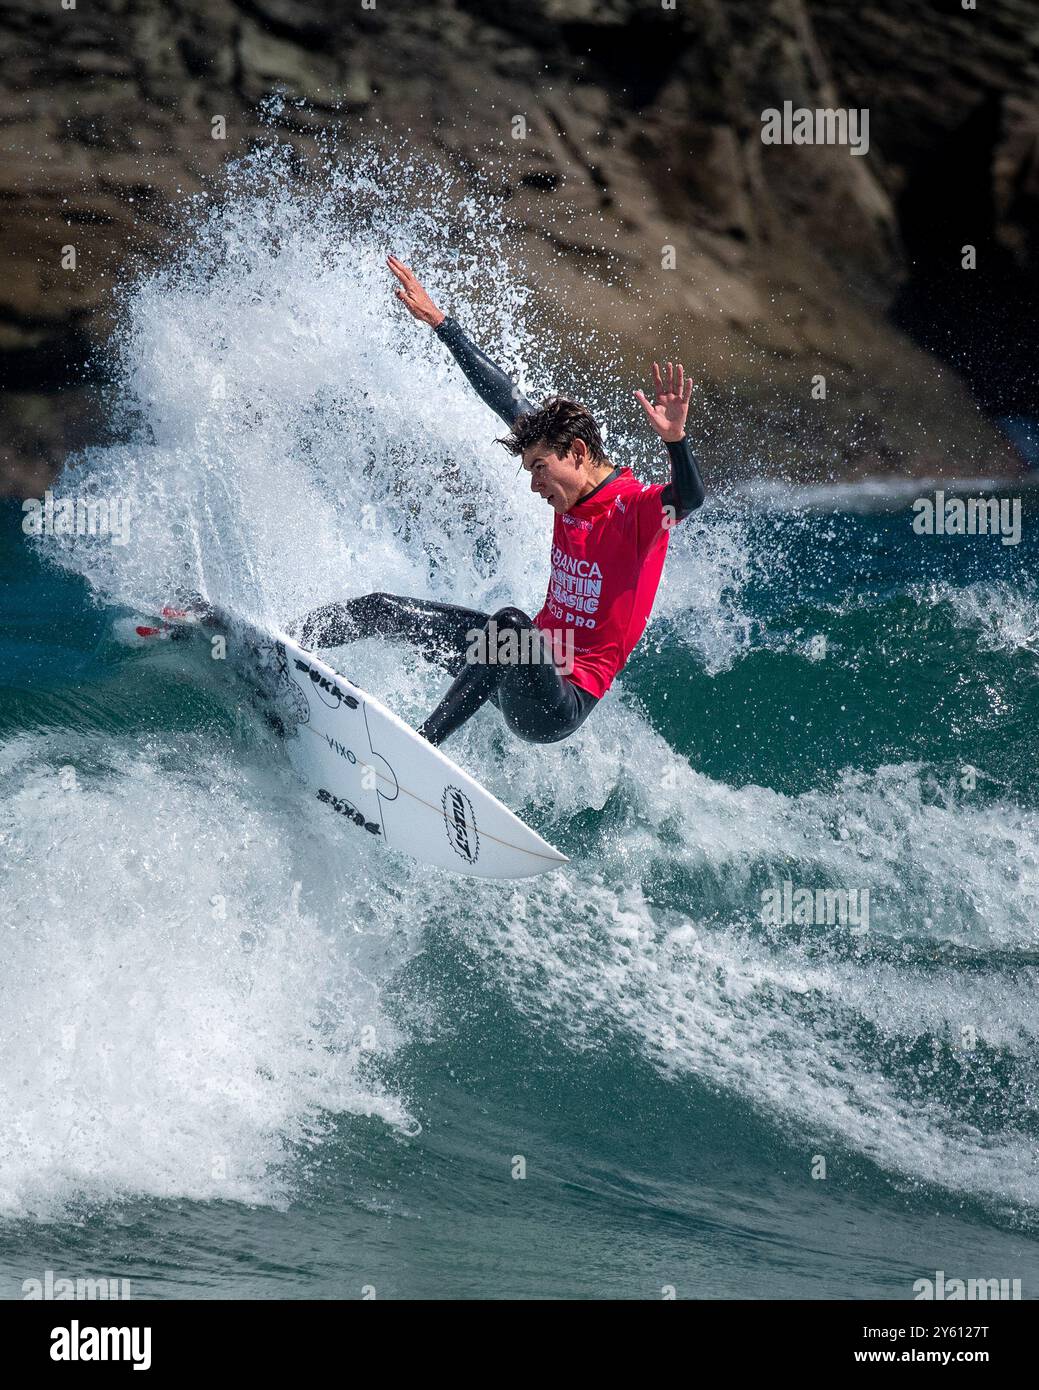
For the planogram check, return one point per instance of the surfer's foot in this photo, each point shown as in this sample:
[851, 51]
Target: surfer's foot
[171, 626]
[174, 622]
[138, 632]
[178, 619]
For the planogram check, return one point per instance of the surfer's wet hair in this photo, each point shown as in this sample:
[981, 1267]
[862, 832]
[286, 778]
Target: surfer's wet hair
[558, 422]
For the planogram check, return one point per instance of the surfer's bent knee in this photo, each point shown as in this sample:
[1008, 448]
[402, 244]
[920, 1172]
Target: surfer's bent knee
[511, 617]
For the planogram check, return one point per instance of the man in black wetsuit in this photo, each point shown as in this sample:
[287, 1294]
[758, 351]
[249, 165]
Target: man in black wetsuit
[609, 542]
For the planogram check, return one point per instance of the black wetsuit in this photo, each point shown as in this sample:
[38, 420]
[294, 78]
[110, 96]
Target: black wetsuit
[537, 702]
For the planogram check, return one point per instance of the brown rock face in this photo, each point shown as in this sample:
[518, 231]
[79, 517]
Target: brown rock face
[640, 159]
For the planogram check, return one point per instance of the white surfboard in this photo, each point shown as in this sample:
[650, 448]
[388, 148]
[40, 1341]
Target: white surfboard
[372, 771]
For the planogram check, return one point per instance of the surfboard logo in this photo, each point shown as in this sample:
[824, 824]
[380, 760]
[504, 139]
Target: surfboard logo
[460, 822]
[332, 695]
[349, 810]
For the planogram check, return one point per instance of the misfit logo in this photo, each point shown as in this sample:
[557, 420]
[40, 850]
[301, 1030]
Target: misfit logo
[460, 821]
[954, 1290]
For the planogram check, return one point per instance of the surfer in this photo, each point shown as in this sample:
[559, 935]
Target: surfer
[610, 538]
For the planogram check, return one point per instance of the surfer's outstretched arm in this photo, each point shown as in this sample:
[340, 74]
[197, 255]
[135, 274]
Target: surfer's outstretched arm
[488, 380]
[685, 492]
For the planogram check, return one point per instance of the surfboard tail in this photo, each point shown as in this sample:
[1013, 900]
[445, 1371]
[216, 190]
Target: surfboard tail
[375, 772]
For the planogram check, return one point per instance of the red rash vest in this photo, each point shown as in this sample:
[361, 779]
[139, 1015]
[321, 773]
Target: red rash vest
[607, 556]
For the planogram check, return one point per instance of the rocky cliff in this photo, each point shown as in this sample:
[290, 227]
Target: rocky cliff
[643, 132]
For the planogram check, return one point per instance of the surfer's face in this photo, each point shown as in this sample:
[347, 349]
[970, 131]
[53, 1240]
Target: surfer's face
[561, 480]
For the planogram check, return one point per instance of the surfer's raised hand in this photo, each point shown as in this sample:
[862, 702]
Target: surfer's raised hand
[413, 296]
[667, 413]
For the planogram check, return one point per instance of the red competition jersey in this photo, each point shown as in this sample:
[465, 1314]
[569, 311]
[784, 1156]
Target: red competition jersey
[607, 556]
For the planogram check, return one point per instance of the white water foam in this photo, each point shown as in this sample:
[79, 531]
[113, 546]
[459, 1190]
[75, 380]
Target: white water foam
[182, 1009]
[699, 991]
[301, 439]
[865, 495]
[1002, 617]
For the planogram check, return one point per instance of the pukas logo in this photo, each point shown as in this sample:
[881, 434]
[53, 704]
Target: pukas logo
[329, 692]
[59, 1288]
[953, 1290]
[288, 691]
[350, 811]
[460, 820]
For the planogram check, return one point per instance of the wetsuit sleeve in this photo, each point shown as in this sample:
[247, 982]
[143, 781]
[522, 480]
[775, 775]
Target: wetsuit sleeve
[488, 381]
[685, 492]
[652, 521]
